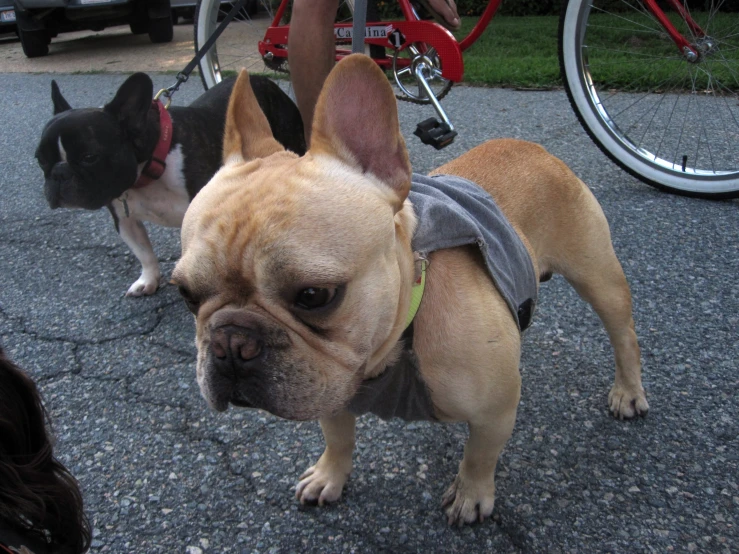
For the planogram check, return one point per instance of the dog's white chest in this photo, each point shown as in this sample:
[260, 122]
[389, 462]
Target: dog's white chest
[163, 201]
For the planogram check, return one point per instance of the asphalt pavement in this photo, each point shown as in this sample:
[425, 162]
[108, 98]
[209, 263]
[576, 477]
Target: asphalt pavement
[160, 473]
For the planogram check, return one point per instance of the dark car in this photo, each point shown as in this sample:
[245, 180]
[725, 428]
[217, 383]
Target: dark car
[186, 8]
[7, 16]
[40, 20]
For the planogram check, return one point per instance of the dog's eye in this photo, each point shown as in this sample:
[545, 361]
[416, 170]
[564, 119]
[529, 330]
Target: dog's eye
[90, 159]
[190, 301]
[312, 298]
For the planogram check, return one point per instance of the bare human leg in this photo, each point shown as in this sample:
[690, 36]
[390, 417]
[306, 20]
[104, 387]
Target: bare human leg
[310, 51]
[311, 47]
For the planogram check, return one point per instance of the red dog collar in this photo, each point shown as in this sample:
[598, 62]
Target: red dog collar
[154, 168]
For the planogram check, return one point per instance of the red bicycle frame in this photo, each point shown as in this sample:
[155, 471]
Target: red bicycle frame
[682, 43]
[412, 30]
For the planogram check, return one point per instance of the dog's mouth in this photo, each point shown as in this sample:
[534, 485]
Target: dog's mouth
[221, 404]
[241, 402]
[61, 195]
[52, 191]
[221, 393]
[292, 412]
[59, 202]
[280, 393]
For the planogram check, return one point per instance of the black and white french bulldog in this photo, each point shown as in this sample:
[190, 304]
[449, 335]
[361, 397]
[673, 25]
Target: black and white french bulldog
[143, 165]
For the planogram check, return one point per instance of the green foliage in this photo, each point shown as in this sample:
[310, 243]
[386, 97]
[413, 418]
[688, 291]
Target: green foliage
[390, 9]
[474, 8]
[387, 9]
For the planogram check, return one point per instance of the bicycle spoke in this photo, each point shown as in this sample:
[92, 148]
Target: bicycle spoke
[702, 119]
[711, 14]
[640, 55]
[646, 30]
[677, 155]
[654, 115]
[405, 72]
[652, 29]
[669, 120]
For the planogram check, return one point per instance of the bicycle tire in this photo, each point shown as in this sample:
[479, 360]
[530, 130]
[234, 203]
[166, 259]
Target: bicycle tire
[230, 45]
[669, 122]
[227, 54]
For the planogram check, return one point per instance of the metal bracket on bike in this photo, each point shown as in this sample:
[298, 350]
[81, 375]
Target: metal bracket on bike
[358, 25]
[432, 131]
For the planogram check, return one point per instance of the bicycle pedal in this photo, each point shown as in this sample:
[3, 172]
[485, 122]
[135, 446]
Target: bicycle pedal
[435, 133]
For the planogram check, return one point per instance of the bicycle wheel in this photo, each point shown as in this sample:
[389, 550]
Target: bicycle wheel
[671, 122]
[235, 48]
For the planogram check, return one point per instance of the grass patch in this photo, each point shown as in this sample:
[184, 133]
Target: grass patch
[514, 51]
[625, 53]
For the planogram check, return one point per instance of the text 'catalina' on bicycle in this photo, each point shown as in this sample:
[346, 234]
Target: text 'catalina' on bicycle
[374, 31]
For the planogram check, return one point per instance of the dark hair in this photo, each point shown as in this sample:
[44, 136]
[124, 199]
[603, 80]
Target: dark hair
[39, 497]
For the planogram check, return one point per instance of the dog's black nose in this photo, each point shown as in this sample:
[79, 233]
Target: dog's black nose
[232, 345]
[62, 172]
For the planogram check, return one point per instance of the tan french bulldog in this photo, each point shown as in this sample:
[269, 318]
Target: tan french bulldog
[300, 274]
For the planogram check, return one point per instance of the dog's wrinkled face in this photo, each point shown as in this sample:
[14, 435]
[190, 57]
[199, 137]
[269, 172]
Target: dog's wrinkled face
[89, 155]
[85, 159]
[295, 268]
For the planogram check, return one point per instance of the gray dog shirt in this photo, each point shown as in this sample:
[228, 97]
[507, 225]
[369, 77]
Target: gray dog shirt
[451, 212]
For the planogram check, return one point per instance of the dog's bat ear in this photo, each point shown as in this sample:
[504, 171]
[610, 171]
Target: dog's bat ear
[60, 104]
[132, 102]
[247, 135]
[356, 120]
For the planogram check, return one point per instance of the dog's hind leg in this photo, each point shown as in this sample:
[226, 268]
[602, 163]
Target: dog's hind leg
[590, 265]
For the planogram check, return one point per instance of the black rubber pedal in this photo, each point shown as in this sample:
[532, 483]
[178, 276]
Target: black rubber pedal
[435, 133]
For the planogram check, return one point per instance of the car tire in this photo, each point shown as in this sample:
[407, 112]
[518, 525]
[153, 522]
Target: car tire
[252, 7]
[35, 43]
[139, 22]
[139, 27]
[161, 30]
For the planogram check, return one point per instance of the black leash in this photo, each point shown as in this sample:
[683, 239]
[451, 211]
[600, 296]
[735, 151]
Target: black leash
[184, 75]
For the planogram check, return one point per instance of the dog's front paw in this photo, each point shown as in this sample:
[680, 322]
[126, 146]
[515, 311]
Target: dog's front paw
[144, 286]
[626, 403]
[323, 482]
[468, 501]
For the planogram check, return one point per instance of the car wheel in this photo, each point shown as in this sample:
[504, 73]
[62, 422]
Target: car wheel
[35, 43]
[161, 29]
[139, 27]
[252, 7]
[139, 22]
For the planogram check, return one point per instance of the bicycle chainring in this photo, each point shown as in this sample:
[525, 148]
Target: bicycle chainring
[277, 64]
[420, 52]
